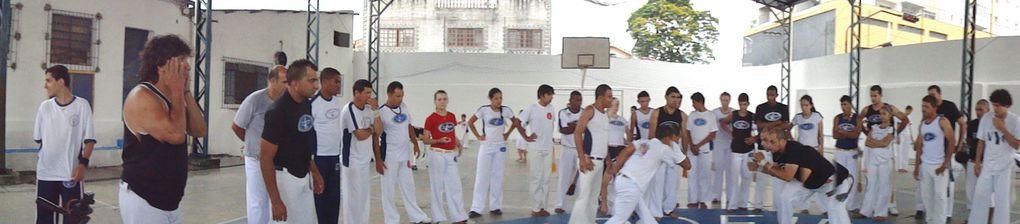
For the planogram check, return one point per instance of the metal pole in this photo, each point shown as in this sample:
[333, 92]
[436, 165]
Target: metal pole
[5, 40]
[312, 34]
[855, 53]
[203, 47]
[967, 75]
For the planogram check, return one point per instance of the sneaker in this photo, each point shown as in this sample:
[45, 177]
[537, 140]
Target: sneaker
[473, 214]
[893, 211]
[496, 212]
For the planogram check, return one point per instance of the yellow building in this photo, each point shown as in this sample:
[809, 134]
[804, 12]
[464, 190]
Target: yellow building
[823, 29]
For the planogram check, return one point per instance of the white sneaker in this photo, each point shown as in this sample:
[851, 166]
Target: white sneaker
[893, 211]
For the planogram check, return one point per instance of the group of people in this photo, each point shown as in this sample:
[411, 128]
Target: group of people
[308, 155]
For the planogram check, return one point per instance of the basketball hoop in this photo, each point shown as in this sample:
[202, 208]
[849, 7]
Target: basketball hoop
[585, 53]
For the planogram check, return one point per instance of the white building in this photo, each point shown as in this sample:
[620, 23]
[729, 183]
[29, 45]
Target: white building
[467, 26]
[100, 40]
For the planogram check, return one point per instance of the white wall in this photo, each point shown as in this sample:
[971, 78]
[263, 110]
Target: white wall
[25, 84]
[255, 36]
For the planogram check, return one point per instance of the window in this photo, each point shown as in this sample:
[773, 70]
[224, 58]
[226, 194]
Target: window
[910, 29]
[464, 37]
[341, 39]
[82, 85]
[524, 39]
[73, 39]
[397, 37]
[937, 35]
[241, 78]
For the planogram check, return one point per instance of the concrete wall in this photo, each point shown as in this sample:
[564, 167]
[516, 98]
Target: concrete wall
[430, 19]
[25, 83]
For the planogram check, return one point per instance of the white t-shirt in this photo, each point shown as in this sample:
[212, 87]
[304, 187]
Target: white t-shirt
[618, 131]
[644, 123]
[807, 128]
[395, 129]
[723, 139]
[648, 156]
[539, 120]
[701, 124]
[566, 118]
[494, 123]
[62, 131]
[881, 155]
[357, 151]
[998, 154]
[327, 124]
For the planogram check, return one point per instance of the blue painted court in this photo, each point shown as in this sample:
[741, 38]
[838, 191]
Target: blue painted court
[694, 216]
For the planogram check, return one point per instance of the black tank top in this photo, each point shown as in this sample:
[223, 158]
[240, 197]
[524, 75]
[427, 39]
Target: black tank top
[675, 118]
[741, 126]
[873, 117]
[848, 125]
[154, 170]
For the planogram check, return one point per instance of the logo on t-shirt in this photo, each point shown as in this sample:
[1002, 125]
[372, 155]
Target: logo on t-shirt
[548, 115]
[496, 122]
[875, 118]
[700, 122]
[671, 123]
[807, 126]
[616, 122]
[447, 127]
[305, 123]
[773, 116]
[332, 113]
[742, 125]
[502, 149]
[929, 136]
[646, 125]
[399, 118]
[75, 120]
[847, 126]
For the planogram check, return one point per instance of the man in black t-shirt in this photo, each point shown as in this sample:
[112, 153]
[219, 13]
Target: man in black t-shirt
[769, 115]
[287, 147]
[804, 173]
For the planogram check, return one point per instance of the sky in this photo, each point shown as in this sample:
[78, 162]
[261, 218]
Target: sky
[573, 18]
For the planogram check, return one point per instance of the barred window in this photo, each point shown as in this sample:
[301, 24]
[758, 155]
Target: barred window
[464, 37]
[241, 78]
[73, 39]
[397, 37]
[524, 39]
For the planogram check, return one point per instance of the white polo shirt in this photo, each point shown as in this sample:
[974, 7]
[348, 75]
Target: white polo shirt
[62, 131]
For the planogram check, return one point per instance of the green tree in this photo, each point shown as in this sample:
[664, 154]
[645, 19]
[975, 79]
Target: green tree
[671, 30]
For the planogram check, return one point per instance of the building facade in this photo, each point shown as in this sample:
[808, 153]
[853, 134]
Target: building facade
[821, 27]
[467, 26]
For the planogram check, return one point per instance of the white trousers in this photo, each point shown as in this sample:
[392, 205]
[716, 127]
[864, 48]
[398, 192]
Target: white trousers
[296, 194]
[720, 178]
[738, 180]
[134, 209]
[539, 169]
[794, 193]
[933, 193]
[397, 174]
[671, 187]
[629, 197]
[761, 182]
[444, 181]
[355, 190]
[699, 180]
[995, 188]
[848, 158]
[879, 189]
[958, 172]
[566, 171]
[489, 177]
[655, 194]
[255, 192]
[587, 194]
[971, 182]
[904, 151]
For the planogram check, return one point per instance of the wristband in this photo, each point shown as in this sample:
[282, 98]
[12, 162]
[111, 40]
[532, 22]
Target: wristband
[83, 161]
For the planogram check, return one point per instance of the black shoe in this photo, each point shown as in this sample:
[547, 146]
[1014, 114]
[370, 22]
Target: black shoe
[919, 215]
[473, 214]
[496, 212]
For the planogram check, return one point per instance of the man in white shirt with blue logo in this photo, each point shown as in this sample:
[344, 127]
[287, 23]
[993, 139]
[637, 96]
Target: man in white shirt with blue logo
[396, 135]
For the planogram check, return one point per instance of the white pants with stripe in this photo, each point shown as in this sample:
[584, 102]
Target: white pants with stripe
[444, 180]
[699, 179]
[738, 180]
[255, 192]
[134, 209]
[398, 175]
[540, 167]
[489, 177]
[296, 194]
[355, 188]
[629, 197]
[588, 184]
[566, 170]
[994, 186]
